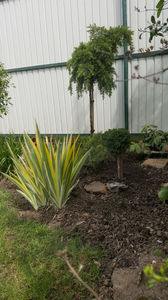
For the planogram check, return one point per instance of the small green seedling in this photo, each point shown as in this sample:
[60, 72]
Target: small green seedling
[157, 274]
[163, 194]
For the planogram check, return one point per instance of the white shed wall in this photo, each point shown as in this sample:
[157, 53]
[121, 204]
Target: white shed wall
[147, 101]
[43, 95]
[37, 32]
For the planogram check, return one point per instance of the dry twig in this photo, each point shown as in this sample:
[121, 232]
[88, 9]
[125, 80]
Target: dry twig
[64, 256]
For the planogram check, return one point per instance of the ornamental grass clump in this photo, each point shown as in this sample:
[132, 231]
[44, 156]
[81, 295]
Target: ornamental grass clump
[47, 173]
[117, 141]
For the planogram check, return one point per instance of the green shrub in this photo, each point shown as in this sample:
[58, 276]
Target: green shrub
[138, 147]
[154, 138]
[117, 141]
[98, 153]
[157, 275]
[6, 162]
[47, 173]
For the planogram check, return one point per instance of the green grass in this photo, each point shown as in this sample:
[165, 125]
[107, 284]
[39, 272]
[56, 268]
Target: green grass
[29, 266]
[6, 162]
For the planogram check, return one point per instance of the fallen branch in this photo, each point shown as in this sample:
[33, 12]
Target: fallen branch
[64, 256]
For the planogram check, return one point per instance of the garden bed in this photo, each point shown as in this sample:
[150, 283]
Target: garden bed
[127, 224]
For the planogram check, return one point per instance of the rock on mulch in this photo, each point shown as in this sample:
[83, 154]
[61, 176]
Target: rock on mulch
[96, 187]
[156, 162]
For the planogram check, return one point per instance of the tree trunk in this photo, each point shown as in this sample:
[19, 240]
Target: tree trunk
[91, 96]
[120, 166]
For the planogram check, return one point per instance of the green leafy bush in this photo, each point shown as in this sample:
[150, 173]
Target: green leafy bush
[47, 173]
[154, 138]
[117, 141]
[98, 153]
[158, 275]
[6, 162]
[138, 147]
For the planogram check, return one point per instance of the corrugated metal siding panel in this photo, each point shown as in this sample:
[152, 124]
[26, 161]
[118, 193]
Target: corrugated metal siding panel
[139, 20]
[165, 95]
[43, 96]
[42, 32]
[147, 100]
[147, 104]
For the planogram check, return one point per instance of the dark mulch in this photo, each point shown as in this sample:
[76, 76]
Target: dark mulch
[125, 224]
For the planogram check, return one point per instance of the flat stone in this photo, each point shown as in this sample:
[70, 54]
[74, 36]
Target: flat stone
[96, 187]
[156, 162]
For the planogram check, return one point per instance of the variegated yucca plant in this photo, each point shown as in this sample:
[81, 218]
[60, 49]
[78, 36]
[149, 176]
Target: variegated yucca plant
[47, 173]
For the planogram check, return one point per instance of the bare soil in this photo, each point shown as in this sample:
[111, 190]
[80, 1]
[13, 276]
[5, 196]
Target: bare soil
[126, 225]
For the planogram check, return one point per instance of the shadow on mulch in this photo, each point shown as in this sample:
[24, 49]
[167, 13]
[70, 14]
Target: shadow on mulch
[125, 224]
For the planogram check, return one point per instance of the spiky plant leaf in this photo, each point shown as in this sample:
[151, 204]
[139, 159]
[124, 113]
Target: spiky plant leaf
[46, 173]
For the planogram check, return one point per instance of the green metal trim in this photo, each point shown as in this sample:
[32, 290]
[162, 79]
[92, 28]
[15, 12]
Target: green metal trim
[37, 67]
[124, 6]
[63, 64]
[149, 54]
[57, 134]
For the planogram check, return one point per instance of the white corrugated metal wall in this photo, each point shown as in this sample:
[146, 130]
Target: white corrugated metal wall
[148, 103]
[36, 32]
[40, 32]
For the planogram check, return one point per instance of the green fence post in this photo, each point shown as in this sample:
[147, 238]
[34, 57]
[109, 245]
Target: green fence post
[124, 7]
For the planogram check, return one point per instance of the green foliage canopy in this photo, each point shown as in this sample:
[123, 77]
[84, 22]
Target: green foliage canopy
[154, 139]
[4, 86]
[117, 141]
[98, 153]
[93, 62]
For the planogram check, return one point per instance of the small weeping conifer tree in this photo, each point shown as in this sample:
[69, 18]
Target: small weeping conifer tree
[93, 63]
